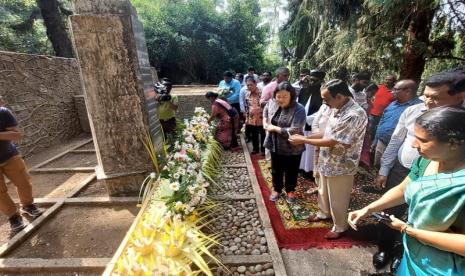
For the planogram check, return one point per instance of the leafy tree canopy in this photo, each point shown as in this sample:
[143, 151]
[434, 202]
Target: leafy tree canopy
[189, 41]
[380, 36]
[195, 40]
[19, 29]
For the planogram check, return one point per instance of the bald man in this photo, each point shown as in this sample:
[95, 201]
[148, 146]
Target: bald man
[405, 95]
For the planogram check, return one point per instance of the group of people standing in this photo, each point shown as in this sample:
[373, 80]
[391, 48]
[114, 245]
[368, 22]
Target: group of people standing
[326, 129]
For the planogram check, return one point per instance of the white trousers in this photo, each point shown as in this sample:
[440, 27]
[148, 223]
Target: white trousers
[334, 198]
[306, 161]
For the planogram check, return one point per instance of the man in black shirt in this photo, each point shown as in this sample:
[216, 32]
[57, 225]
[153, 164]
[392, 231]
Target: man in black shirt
[12, 166]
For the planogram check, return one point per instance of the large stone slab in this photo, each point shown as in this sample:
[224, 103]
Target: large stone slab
[116, 75]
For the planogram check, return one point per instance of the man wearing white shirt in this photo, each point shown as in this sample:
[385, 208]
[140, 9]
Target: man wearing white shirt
[441, 89]
[250, 73]
[310, 98]
[360, 82]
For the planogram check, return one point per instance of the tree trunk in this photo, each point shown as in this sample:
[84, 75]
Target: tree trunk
[56, 29]
[414, 59]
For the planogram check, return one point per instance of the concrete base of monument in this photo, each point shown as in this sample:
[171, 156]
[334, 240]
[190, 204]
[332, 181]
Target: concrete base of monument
[122, 184]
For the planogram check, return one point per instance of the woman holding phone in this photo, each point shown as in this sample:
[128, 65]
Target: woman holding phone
[283, 116]
[434, 235]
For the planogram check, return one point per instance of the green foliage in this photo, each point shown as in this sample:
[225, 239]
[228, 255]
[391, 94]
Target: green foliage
[18, 31]
[193, 41]
[346, 36]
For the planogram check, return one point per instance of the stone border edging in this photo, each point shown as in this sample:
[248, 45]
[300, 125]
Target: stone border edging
[273, 249]
[53, 265]
[63, 170]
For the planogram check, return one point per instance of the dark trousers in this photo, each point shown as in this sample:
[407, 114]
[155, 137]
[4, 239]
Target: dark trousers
[168, 126]
[374, 122]
[248, 134]
[284, 167]
[237, 106]
[258, 137]
[387, 237]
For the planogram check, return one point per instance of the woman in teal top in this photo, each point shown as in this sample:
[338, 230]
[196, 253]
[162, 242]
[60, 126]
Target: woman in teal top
[434, 236]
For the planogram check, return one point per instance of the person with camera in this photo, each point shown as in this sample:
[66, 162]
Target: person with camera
[167, 107]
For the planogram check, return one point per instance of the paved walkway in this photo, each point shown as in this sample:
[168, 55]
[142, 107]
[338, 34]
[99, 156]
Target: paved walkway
[353, 261]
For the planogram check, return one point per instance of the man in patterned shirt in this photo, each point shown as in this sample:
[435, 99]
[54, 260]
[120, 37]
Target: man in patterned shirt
[340, 148]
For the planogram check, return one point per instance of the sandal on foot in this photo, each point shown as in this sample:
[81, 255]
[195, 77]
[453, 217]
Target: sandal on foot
[315, 218]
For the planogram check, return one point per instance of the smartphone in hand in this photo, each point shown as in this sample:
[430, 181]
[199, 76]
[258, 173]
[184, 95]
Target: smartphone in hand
[381, 217]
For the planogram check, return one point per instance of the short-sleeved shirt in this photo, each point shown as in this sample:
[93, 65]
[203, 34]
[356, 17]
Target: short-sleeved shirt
[347, 126]
[267, 92]
[7, 148]
[235, 86]
[360, 97]
[254, 112]
[165, 112]
[383, 98]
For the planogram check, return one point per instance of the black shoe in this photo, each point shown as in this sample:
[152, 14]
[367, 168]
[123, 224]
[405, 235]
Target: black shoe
[254, 152]
[16, 224]
[381, 259]
[395, 264]
[31, 210]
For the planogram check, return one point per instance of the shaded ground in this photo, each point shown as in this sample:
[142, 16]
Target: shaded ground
[93, 189]
[353, 261]
[79, 232]
[71, 160]
[42, 184]
[53, 150]
[89, 146]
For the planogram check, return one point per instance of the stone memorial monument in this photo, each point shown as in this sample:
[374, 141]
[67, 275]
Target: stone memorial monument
[110, 45]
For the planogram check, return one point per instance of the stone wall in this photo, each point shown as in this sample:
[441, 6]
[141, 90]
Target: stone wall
[80, 103]
[40, 91]
[188, 102]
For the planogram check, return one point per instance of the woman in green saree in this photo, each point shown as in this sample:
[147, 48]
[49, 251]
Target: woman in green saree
[434, 236]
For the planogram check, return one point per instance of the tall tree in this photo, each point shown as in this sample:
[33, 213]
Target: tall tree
[19, 29]
[52, 13]
[380, 36]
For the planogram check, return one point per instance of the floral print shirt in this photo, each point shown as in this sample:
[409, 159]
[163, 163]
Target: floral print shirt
[347, 126]
[254, 112]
